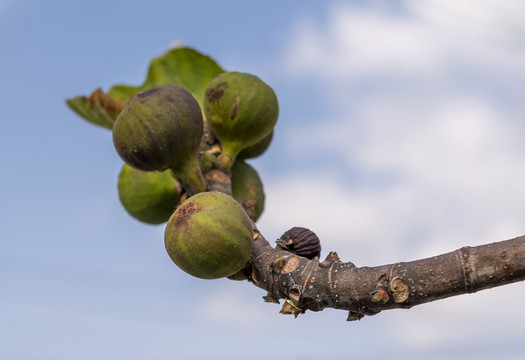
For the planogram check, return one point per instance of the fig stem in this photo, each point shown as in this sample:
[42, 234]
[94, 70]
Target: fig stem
[226, 161]
[108, 104]
[191, 175]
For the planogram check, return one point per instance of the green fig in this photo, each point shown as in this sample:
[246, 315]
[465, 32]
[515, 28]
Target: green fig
[258, 149]
[247, 188]
[151, 196]
[209, 236]
[239, 276]
[241, 110]
[159, 129]
[208, 161]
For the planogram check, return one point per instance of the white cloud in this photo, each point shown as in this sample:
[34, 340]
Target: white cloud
[363, 225]
[448, 155]
[463, 322]
[431, 185]
[434, 143]
[372, 225]
[427, 38]
[356, 43]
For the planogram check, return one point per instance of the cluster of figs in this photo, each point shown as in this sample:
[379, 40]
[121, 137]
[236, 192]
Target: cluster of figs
[160, 134]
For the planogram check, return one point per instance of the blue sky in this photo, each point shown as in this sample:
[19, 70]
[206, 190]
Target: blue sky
[400, 137]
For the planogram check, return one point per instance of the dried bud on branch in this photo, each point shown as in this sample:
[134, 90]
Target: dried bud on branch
[300, 241]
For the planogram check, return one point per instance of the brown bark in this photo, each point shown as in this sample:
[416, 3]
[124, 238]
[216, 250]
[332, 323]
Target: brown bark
[313, 285]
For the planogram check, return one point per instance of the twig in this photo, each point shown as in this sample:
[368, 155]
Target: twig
[313, 285]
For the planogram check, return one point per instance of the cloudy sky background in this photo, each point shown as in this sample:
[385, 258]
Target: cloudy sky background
[400, 137]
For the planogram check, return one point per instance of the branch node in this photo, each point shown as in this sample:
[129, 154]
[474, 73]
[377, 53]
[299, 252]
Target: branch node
[330, 259]
[399, 289]
[464, 255]
[277, 265]
[380, 296]
[295, 293]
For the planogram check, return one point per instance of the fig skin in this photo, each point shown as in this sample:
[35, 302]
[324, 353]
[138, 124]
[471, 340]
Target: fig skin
[247, 187]
[161, 128]
[209, 236]
[241, 110]
[148, 196]
[258, 149]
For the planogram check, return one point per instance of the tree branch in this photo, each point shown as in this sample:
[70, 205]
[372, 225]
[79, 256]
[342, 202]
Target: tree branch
[307, 284]
[311, 285]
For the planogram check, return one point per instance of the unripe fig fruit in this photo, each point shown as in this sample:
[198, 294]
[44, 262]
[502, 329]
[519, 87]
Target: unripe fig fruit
[151, 196]
[258, 149]
[239, 276]
[159, 129]
[247, 187]
[209, 236]
[241, 110]
[208, 161]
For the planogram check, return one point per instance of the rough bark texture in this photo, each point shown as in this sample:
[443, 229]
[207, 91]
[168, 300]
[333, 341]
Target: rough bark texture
[313, 285]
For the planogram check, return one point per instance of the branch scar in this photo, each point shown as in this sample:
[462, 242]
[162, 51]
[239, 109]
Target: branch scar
[310, 264]
[464, 266]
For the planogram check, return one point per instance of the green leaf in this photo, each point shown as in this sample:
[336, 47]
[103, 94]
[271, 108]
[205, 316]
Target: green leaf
[185, 67]
[91, 111]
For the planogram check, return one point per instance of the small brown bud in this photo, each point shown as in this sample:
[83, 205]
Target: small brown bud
[289, 308]
[300, 241]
